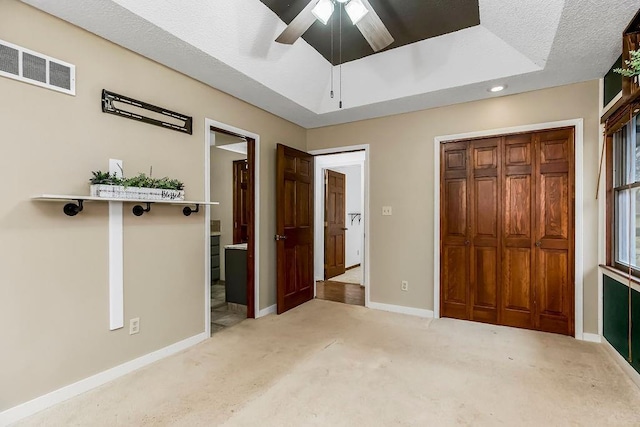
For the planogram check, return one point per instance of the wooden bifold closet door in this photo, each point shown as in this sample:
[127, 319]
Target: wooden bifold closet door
[507, 239]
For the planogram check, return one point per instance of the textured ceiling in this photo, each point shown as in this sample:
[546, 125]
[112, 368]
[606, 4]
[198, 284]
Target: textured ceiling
[526, 45]
[408, 21]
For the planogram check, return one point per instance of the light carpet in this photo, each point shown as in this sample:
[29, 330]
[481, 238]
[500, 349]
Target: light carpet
[331, 364]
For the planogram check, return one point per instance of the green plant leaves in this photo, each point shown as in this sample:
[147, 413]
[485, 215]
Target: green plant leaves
[140, 180]
[632, 65]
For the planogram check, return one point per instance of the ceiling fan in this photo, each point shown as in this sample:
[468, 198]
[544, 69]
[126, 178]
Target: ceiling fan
[360, 12]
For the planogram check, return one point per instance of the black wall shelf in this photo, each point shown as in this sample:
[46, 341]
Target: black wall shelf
[75, 204]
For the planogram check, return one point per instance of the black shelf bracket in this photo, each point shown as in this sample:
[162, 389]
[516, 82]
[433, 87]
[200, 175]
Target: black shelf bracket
[188, 210]
[354, 216]
[139, 210]
[72, 209]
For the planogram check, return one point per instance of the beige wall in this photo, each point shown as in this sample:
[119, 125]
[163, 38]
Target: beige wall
[401, 175]
[222, 191]
[54, 270]
[54, 325]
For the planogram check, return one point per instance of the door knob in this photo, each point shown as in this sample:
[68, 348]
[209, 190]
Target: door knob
[344, 228]
[466, 242]
[280, 237]
[538, 243]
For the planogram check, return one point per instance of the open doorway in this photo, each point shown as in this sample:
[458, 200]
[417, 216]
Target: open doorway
[232, 228]
[339, 227]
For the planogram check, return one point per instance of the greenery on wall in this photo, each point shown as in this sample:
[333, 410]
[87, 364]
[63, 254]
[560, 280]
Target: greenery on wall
[632, 68]
[140, 180]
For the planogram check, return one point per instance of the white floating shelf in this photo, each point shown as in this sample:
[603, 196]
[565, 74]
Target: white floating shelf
[72, 209]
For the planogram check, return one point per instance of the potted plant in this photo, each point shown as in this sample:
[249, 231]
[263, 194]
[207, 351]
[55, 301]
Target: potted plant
[632, 69]
[106, 184]
[140, 187]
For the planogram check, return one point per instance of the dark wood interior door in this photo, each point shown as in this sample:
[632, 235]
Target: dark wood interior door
[518, 224]
[555, 292]
[507, 230]
[294, 227]
[334, 223]
[240, 201]
[485, 229]
[454, 231]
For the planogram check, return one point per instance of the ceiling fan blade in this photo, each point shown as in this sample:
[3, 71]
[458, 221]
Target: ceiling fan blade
[374, 30]
[299, 25]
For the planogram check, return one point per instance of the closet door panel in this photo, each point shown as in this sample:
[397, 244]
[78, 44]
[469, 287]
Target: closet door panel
[485, 232]
[454, 231]
[554, 287]
[518, 222]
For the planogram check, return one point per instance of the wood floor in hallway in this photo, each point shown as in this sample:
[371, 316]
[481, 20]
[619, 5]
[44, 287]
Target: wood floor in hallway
[347, 293]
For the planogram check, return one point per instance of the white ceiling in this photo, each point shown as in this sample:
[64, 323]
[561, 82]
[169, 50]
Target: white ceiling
[229, 142]
[229, 45]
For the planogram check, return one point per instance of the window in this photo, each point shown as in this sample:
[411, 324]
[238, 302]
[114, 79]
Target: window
[626, 193]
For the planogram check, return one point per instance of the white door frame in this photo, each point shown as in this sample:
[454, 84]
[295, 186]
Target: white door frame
[365, 216]
[208, 123]
[580, 242]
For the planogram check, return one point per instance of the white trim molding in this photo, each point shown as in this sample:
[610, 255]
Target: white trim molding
[620, 278]
[401, 309]
[366, 209]
[610, 105]
[622, 362]
[580, 242]
[272, 309]
[208, 123]
[602, 209]
[38, 404]
[116, 256]
[589, 337]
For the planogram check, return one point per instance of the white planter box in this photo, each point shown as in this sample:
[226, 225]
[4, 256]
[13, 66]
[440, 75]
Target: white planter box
[133, 193]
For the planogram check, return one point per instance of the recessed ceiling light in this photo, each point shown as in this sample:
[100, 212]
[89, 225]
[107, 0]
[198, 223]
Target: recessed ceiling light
[498, 88]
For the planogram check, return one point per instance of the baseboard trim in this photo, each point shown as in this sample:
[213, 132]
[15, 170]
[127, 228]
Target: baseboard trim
[401, 309]
[48, 400]
[622, 362]
[591, 337]
[266, 311]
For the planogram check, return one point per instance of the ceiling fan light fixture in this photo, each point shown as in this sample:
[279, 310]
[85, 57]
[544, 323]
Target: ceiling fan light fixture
[323, 11]
[356, 10]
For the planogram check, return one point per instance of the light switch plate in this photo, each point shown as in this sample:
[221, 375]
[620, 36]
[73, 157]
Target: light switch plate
[387, 211]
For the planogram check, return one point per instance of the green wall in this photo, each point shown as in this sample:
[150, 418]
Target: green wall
[616, 319]
[612, 83]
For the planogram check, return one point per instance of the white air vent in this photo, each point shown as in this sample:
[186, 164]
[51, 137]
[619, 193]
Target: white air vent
[32, 67]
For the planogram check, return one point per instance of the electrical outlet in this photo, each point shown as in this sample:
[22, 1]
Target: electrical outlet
[387, 211]
[405, 286]
[134, 326]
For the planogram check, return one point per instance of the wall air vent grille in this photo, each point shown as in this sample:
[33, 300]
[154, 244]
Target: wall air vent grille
[9, 60]
[35, 68]
[60, 75]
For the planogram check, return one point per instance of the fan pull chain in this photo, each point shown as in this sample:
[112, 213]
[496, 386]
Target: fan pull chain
[332, 25]
[340, 103]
